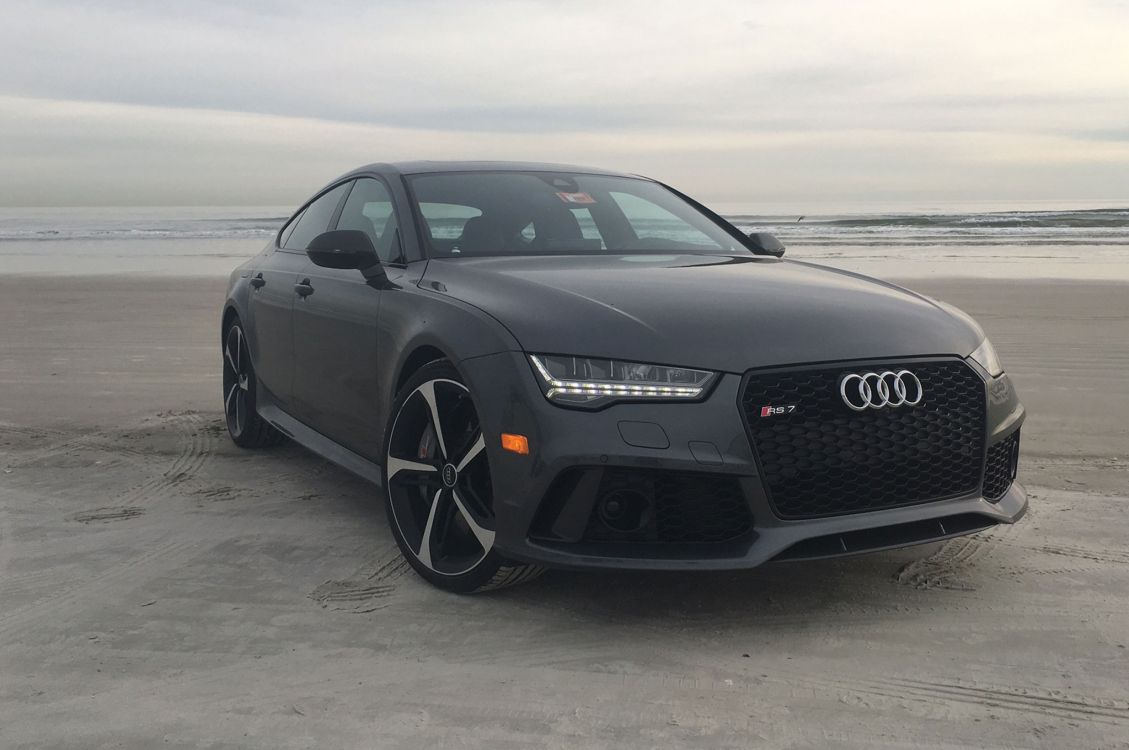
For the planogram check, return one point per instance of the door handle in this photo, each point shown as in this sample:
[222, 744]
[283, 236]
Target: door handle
[258, 282]
[305, 289]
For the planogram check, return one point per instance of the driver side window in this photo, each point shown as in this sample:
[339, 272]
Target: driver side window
[314, 219]
[369, 209]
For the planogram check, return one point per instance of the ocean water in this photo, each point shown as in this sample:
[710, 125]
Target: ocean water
[1024, 242]
[1103, 226]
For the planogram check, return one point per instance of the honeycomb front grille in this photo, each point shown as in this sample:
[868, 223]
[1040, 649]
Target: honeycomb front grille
[683, 507]
[823, 459]
[1003, 461]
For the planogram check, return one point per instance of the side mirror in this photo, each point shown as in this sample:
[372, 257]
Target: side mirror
[766, 243]
[344, 249]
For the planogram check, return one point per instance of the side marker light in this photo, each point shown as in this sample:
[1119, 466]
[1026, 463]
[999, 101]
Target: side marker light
[515, 443]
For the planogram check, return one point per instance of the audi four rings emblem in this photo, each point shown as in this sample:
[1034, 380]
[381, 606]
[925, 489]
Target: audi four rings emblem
[878, 390]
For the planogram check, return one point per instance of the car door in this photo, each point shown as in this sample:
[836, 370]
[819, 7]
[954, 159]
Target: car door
[335, 329]
[271, 342]
[273, 295]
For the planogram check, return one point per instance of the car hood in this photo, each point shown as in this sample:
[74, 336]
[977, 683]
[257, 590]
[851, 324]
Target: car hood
[725, 313]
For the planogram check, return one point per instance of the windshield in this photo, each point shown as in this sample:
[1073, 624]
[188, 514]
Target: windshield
[552, 213]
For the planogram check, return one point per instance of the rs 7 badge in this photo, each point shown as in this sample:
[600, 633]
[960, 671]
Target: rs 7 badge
[775, 411]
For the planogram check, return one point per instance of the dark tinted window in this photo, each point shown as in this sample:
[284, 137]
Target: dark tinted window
[536, 213]
[288, 230]
[315, 219]
[369, 209]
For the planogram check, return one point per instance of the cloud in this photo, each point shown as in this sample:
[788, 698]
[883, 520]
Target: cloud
[813, 99]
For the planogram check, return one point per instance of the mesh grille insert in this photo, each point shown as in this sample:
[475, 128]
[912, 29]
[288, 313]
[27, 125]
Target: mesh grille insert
[824, 459]
[1003, 461]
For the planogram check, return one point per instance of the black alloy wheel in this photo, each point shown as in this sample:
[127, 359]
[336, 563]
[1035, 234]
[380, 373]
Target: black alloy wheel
[246, 427]
[440, 499]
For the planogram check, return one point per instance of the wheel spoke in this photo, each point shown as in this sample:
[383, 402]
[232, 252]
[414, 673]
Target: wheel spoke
[476, 447]
[240, 411]
[231, 361]
[484, 536]
[228, 403]
[427, 390]
[424, 553]
[239, 350]
[396, 465]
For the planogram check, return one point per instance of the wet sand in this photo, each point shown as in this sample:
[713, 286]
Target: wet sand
[160, 587]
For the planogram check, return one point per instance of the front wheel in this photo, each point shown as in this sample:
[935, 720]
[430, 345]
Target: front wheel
[437, 486]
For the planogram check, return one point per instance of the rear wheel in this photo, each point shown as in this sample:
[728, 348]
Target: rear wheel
[438, 492]
[246, 427]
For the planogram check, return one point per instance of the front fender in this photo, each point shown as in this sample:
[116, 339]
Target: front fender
[415, 322]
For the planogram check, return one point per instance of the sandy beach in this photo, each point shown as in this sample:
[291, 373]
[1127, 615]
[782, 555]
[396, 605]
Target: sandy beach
[161, 587]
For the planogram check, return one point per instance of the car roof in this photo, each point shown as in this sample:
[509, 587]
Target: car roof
[426, 167]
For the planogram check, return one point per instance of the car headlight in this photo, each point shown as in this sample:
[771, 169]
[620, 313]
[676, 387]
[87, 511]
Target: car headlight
[985, 356]
[593, 382]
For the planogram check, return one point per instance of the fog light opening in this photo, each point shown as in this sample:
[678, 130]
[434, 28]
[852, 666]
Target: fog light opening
[625, 510]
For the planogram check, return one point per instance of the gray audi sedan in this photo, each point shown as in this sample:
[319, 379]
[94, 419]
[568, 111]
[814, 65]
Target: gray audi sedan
[551, 366]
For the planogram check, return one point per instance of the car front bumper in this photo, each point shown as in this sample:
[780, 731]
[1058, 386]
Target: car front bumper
[707, 438]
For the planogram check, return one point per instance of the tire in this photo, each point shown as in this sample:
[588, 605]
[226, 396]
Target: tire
[437, 490]
[246, 428]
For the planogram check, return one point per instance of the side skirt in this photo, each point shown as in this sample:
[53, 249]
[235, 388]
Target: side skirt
[314, 441]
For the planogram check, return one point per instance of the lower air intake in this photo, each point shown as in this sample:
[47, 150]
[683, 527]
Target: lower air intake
[680, 508]
[1002, 465]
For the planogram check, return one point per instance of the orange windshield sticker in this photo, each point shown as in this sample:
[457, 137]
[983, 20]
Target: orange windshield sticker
[576, 198]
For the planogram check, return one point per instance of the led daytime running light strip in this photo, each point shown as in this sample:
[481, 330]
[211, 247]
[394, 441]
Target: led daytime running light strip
[609, 388]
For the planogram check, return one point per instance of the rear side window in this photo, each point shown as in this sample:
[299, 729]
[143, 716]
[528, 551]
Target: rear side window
[369, 209]
[315, 219]
[288, 230]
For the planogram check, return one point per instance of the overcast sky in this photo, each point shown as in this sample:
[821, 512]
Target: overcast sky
[808, 101]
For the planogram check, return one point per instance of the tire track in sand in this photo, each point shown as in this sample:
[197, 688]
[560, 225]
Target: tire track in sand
[942, 569]
[1114, 556]
[195, 445]
[171, 551]
[64, 443]
[369, 588]
[1060, 704]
